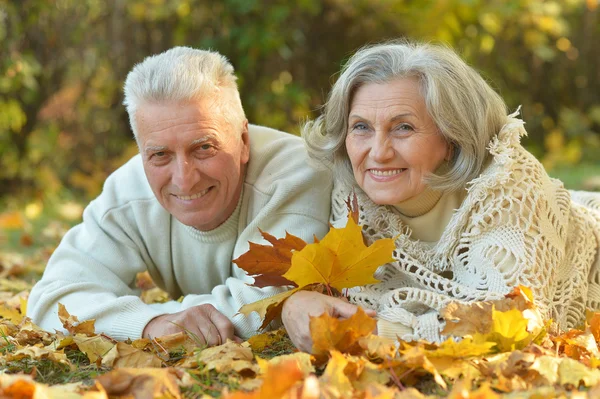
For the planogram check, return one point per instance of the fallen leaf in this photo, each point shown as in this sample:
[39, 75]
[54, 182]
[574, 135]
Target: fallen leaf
[509, 330]
[71, 323]
[340, 260]
[122, 355]
[302, 359]
[141, 383]
[278, 380]
[225, 358]
[572, 372]
[267, 264]
[259, 342]
[334, 377]
[94, 347]
[330, 333]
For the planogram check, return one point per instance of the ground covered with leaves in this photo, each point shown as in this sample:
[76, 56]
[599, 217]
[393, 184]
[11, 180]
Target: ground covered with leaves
[499, 349]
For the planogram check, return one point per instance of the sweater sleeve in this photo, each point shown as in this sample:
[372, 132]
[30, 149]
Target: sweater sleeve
[93, 272]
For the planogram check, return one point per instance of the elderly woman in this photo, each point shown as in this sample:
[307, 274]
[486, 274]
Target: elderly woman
[436, 163]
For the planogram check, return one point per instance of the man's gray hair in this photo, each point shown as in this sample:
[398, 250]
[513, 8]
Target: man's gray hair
[466, 110]
[181, 74]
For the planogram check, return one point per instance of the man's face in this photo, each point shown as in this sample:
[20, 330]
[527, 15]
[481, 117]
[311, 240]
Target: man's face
[194, 158]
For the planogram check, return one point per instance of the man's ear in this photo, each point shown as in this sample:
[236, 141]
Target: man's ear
[245, 157]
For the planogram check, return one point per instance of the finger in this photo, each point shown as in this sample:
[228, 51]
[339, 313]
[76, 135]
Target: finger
[237, 339]
[210, 333]
[342, 309]
[223, 325]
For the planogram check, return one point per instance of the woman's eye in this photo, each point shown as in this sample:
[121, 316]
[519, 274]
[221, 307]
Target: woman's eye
[404, 127]
[360, 126]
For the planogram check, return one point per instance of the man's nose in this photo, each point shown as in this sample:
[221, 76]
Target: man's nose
[381, 148]
[183, 176]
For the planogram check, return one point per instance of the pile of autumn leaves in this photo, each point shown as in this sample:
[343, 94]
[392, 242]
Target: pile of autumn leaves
[495, 349]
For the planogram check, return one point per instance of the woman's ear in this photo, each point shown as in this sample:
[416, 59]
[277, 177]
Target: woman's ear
[449, 152]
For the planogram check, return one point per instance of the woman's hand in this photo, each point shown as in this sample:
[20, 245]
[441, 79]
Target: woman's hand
[298, 309]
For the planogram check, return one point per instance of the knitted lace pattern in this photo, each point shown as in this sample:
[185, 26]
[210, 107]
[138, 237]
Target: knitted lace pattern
[516, 226]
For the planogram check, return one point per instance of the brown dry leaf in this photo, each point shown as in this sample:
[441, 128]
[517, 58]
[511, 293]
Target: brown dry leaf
[30, 334]
[35, 352]
[467, 318]
[122, 355]
[277, 381]
[340, 260]
[179, 341]
[330, 333]
[94, 347]
[225, 358]
[267, 264]
[69, 323]
[141, 383]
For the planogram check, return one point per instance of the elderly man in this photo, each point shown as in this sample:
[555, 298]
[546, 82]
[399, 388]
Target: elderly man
[203, 184]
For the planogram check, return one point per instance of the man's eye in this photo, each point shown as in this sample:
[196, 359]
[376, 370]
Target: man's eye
[159, 154]
[205, 147]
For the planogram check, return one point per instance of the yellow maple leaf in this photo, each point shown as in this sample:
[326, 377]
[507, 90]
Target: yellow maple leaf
[464, 348]
[509, 330]
[340, 260]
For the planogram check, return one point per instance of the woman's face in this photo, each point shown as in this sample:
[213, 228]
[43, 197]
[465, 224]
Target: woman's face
[392, 141]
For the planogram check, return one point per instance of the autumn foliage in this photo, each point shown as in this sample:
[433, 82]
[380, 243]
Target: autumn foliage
[494, 349]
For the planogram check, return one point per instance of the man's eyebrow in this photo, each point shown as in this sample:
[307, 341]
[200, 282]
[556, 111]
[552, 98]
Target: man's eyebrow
[204, 139]
[155, 148]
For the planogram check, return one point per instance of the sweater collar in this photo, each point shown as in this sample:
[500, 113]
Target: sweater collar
[419, 204]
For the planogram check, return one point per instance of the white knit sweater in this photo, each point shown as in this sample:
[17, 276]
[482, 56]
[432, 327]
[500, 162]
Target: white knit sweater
[126, 231]
[516, 226]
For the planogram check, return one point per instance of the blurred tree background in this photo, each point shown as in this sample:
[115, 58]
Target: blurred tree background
[63, 128]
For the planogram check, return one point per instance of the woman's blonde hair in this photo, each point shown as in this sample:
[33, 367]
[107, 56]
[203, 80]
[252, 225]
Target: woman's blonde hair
[466, 110]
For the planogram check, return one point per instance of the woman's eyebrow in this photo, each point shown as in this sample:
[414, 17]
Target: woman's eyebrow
[401, 116]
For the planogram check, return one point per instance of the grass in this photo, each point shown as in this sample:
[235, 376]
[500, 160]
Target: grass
[49, 372]
[574, 177]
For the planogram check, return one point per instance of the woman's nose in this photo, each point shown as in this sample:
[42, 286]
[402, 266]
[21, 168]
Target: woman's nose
[381, 150]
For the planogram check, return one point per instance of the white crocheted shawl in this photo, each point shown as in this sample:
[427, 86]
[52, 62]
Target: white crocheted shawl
[516, 226]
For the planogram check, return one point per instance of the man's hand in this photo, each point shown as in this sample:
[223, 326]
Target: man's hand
[298, 309]
[203, 322]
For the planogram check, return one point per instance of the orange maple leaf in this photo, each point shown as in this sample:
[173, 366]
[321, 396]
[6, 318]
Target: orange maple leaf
[267, 263]
[329, 333]
[277, 381]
